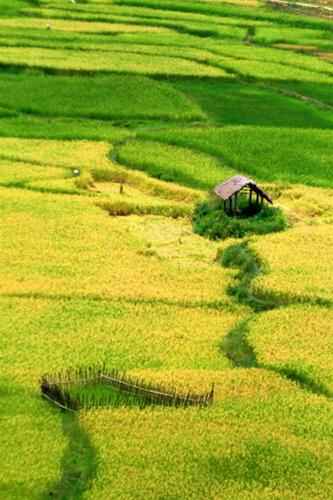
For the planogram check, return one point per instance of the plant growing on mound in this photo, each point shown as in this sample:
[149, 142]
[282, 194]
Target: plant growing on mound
[210, 220]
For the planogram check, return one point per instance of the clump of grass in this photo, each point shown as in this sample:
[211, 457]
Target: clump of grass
[105, 174]
[124, 208]
[84, 181]
[236, 347]
[210, 220]
[146, 184]
[241, 257]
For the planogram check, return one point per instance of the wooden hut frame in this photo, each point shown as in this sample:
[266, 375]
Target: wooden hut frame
[231, 190]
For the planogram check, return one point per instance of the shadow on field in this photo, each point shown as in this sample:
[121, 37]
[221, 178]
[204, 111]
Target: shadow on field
[30, 435]
[78, 464]
[214, 304]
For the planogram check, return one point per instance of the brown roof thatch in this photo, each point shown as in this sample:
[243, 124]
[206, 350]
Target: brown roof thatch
[236, 184]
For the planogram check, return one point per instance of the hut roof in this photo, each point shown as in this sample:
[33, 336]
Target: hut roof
[236, 184]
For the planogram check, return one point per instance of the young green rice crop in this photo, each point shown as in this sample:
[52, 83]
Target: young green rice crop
[238, 103]
[36, 127]
[269, 154]
[301, 37]
[244, 13]
[269, 55]
[108, 98]
[174, 163]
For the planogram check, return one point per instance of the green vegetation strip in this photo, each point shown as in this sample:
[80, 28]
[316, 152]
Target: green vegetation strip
[236, 347]
[242, 257]
[79, 463]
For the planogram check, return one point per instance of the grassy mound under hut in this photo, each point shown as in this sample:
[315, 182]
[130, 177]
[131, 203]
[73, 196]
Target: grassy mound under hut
[235, 209]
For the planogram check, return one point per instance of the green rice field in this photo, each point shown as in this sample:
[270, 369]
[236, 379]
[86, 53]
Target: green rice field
[117, 117]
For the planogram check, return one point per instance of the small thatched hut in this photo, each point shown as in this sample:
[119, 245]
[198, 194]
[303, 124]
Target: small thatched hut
[238, 186]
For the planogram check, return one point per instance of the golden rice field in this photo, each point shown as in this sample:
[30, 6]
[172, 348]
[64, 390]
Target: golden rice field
[296, 338]
[77, 26]
[116, 118]
[305, 274]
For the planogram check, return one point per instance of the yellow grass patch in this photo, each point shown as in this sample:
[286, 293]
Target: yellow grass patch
[12, 172]
[124, 335]
[67, 246]
[296, 338]
[27, 470]
[74, 154]
[136, 184]
[119, 62]
[295, 46]
[248, 3]
[127, 192]
[213, 453]
[303, 204]
[88, 156]
[78, 26]
[327, 56]
[110, 176]
[300, 263]
[229, 384]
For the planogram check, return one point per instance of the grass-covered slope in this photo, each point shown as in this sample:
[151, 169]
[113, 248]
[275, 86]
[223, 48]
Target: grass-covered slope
[116, 118]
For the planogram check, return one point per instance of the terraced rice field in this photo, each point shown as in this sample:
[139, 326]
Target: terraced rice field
[116, 118]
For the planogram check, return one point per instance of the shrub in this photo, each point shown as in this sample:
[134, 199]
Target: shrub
[210, 220]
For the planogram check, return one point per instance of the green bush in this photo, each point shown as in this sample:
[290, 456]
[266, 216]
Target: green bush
[210, 220]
